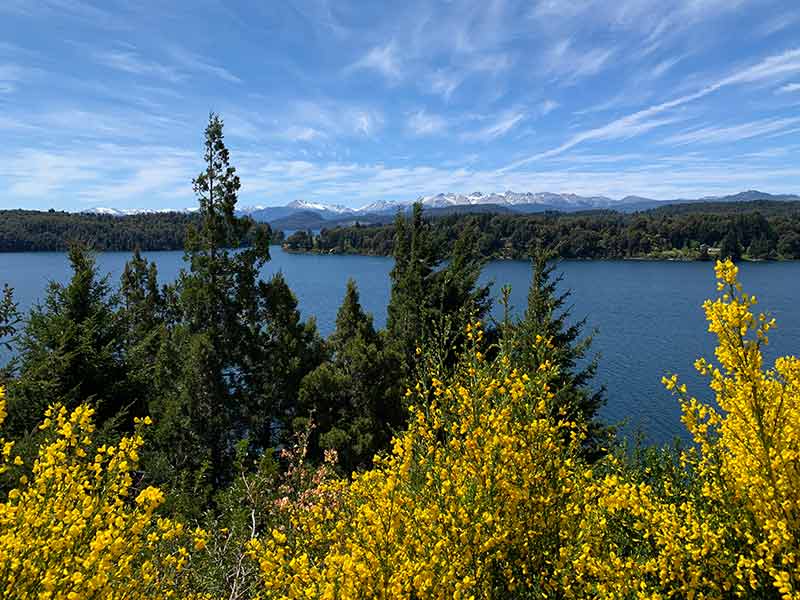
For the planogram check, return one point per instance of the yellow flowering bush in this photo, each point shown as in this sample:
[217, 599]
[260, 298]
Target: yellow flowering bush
[735, 532]
[471, 501]
[74, 528]
[482, 496]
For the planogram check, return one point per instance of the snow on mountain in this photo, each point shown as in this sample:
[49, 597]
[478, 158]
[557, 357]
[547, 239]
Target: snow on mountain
[333, 208]
[523, 202]
[510, 198]
[381, 206]
[101, 210]
[123, 212]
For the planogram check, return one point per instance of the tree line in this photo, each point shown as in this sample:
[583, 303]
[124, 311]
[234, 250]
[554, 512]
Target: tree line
[759, 230]
[54, 231]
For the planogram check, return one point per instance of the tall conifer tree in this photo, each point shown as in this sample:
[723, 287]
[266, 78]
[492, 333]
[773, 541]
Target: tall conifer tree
[548, 331]
[430, 303]
[354, 398]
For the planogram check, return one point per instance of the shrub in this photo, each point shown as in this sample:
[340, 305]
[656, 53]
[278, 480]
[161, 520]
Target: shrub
[74, 526]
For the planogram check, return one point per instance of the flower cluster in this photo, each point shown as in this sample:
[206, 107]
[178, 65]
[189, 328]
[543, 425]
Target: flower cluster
[469, 503]
[733, 530]
[74, 527]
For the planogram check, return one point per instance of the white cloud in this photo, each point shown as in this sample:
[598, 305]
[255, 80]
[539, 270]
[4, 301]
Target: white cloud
[662, 67]
[772, 67]
[777, 23]
[788, 88]
[303, 134]
[548, 106]
[422, 123]
[132, 62]
[198, 64]
[444, 83]
[492, 63]
[500, 126]
[382, 59]
[365, 122]
[569, 64]
[182, 63]
[127, 176]
[734, 133]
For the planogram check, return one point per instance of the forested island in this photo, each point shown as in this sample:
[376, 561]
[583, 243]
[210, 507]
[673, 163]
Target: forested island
[53, 231]
[200, 439]
[759, 230]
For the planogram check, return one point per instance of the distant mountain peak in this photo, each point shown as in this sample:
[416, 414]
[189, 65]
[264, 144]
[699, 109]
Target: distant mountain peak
[306, 205]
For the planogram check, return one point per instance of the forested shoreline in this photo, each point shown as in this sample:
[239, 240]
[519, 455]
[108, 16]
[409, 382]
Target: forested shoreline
[201, 440]
[54, 231]
[759, 230]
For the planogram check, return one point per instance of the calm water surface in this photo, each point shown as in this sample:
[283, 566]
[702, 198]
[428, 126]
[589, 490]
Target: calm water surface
[647, 315]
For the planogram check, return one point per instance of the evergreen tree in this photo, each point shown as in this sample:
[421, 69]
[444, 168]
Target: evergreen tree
[730, 247]
[72, 351]
[354, 397]
[430, 302]
[9, 317]
[546, 331]
[145, 317]
[9, 321]
[292, 348]
[231, 361]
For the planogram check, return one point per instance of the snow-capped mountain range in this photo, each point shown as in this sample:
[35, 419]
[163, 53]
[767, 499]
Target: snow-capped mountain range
[508, 199]
[124, 212]
[525, 202]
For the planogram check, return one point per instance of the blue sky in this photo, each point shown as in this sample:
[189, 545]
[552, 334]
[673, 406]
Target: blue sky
[103, 104]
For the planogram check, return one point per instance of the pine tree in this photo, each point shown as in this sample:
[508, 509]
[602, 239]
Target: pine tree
[241, 347]
[292, 348]
[547, 330]
[9, 322]
[72, 351]
[9, 317]
[354, 397]
[431, 304]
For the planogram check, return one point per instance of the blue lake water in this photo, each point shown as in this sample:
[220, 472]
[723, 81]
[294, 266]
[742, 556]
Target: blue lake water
[647, 315]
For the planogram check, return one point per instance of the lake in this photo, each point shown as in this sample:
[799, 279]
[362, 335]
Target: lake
[647, 315]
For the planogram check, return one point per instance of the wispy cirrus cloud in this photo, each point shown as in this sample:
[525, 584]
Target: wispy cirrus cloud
[716, 134]
[422, 123]
[130, 61]
[384, 60]
[182, 66]
[788, 88]
[570, 64]
[772, 67]
[195, 63]
[444, 83]
[70, 9]
[498, 126]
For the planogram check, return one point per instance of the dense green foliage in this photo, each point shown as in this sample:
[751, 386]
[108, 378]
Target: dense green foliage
[697, 231]
[546, 322]
[73, 349]
[28, 231]
[353, 398]
[53, 231]
[431, 302]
